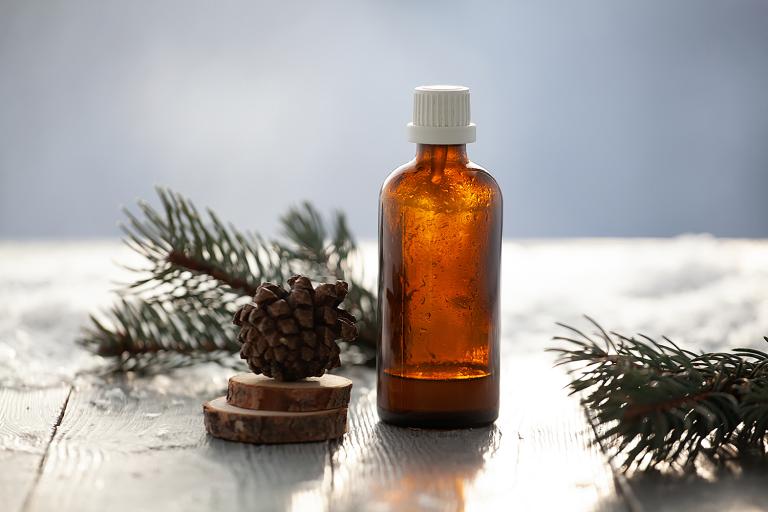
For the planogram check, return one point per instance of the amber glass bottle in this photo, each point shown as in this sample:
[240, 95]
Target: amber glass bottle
[440, 223]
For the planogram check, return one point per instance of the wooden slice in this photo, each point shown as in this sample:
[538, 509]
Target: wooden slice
[249, 426]
[251, 391]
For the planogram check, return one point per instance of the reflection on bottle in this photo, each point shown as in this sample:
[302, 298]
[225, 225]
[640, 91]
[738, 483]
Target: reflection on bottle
[440, 220]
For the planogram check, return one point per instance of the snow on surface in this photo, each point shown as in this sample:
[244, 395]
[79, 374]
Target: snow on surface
[703, 292]
[708, 294]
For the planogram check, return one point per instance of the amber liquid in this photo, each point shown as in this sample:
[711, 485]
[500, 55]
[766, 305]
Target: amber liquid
[439, 257]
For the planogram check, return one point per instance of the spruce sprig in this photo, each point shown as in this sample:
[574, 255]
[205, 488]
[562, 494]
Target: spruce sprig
[652, 402]
[199, 270]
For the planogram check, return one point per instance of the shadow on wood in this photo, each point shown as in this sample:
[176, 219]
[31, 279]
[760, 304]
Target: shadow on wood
[735, 488]
[431, 470]
[275, 477]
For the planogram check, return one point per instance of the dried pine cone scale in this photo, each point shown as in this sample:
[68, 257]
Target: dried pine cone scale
[291, 334]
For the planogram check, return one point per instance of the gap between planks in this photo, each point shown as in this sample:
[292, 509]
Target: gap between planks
[373, 454]
[41, 466]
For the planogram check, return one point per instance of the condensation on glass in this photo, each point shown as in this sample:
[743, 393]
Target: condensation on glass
[440, 222]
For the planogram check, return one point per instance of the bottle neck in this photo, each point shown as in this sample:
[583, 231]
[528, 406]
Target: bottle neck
[456, 153]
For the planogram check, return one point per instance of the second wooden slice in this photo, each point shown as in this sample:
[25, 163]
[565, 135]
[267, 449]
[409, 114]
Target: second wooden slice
[251, 391]
[248, 426]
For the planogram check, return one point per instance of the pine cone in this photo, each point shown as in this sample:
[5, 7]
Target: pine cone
[290, 335]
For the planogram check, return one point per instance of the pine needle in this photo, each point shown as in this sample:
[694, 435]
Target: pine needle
[198, 270]
[657, 404]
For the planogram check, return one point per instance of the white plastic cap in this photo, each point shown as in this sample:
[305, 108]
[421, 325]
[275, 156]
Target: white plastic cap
[441, 115]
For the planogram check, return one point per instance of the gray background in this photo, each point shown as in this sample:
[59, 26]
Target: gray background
[598, 118]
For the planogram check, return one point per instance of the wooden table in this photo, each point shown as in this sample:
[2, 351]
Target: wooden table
[71, 440]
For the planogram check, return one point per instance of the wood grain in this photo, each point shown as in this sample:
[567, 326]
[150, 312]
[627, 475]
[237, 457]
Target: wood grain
[540, 443]
[127, 447]
[232, 423]
[739, 489]
[146, 449]
[251, 391]
[27, 422]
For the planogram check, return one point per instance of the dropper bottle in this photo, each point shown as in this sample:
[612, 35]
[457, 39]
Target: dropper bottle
[440, 219]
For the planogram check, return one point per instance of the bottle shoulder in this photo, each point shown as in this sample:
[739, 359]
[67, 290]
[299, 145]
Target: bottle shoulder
[464, 182]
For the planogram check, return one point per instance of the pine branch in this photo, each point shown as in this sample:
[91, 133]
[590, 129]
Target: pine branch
[198, 270]
[310, 253]
[181, 260]
[148, 335]
[655, 403]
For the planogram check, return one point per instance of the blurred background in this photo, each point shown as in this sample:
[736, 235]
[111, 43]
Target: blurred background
[598, 117]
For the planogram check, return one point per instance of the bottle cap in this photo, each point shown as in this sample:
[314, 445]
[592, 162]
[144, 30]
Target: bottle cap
[441, 115]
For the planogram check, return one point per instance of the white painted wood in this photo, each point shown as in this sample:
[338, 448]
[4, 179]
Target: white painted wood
[127, 448]
[737, 489]
[537, 456]
[27, 419]
[140, 444]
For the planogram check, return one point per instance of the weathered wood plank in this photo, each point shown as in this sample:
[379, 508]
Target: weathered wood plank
[538, 456]
[742, 490]
[27, 420]
[128, 448]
